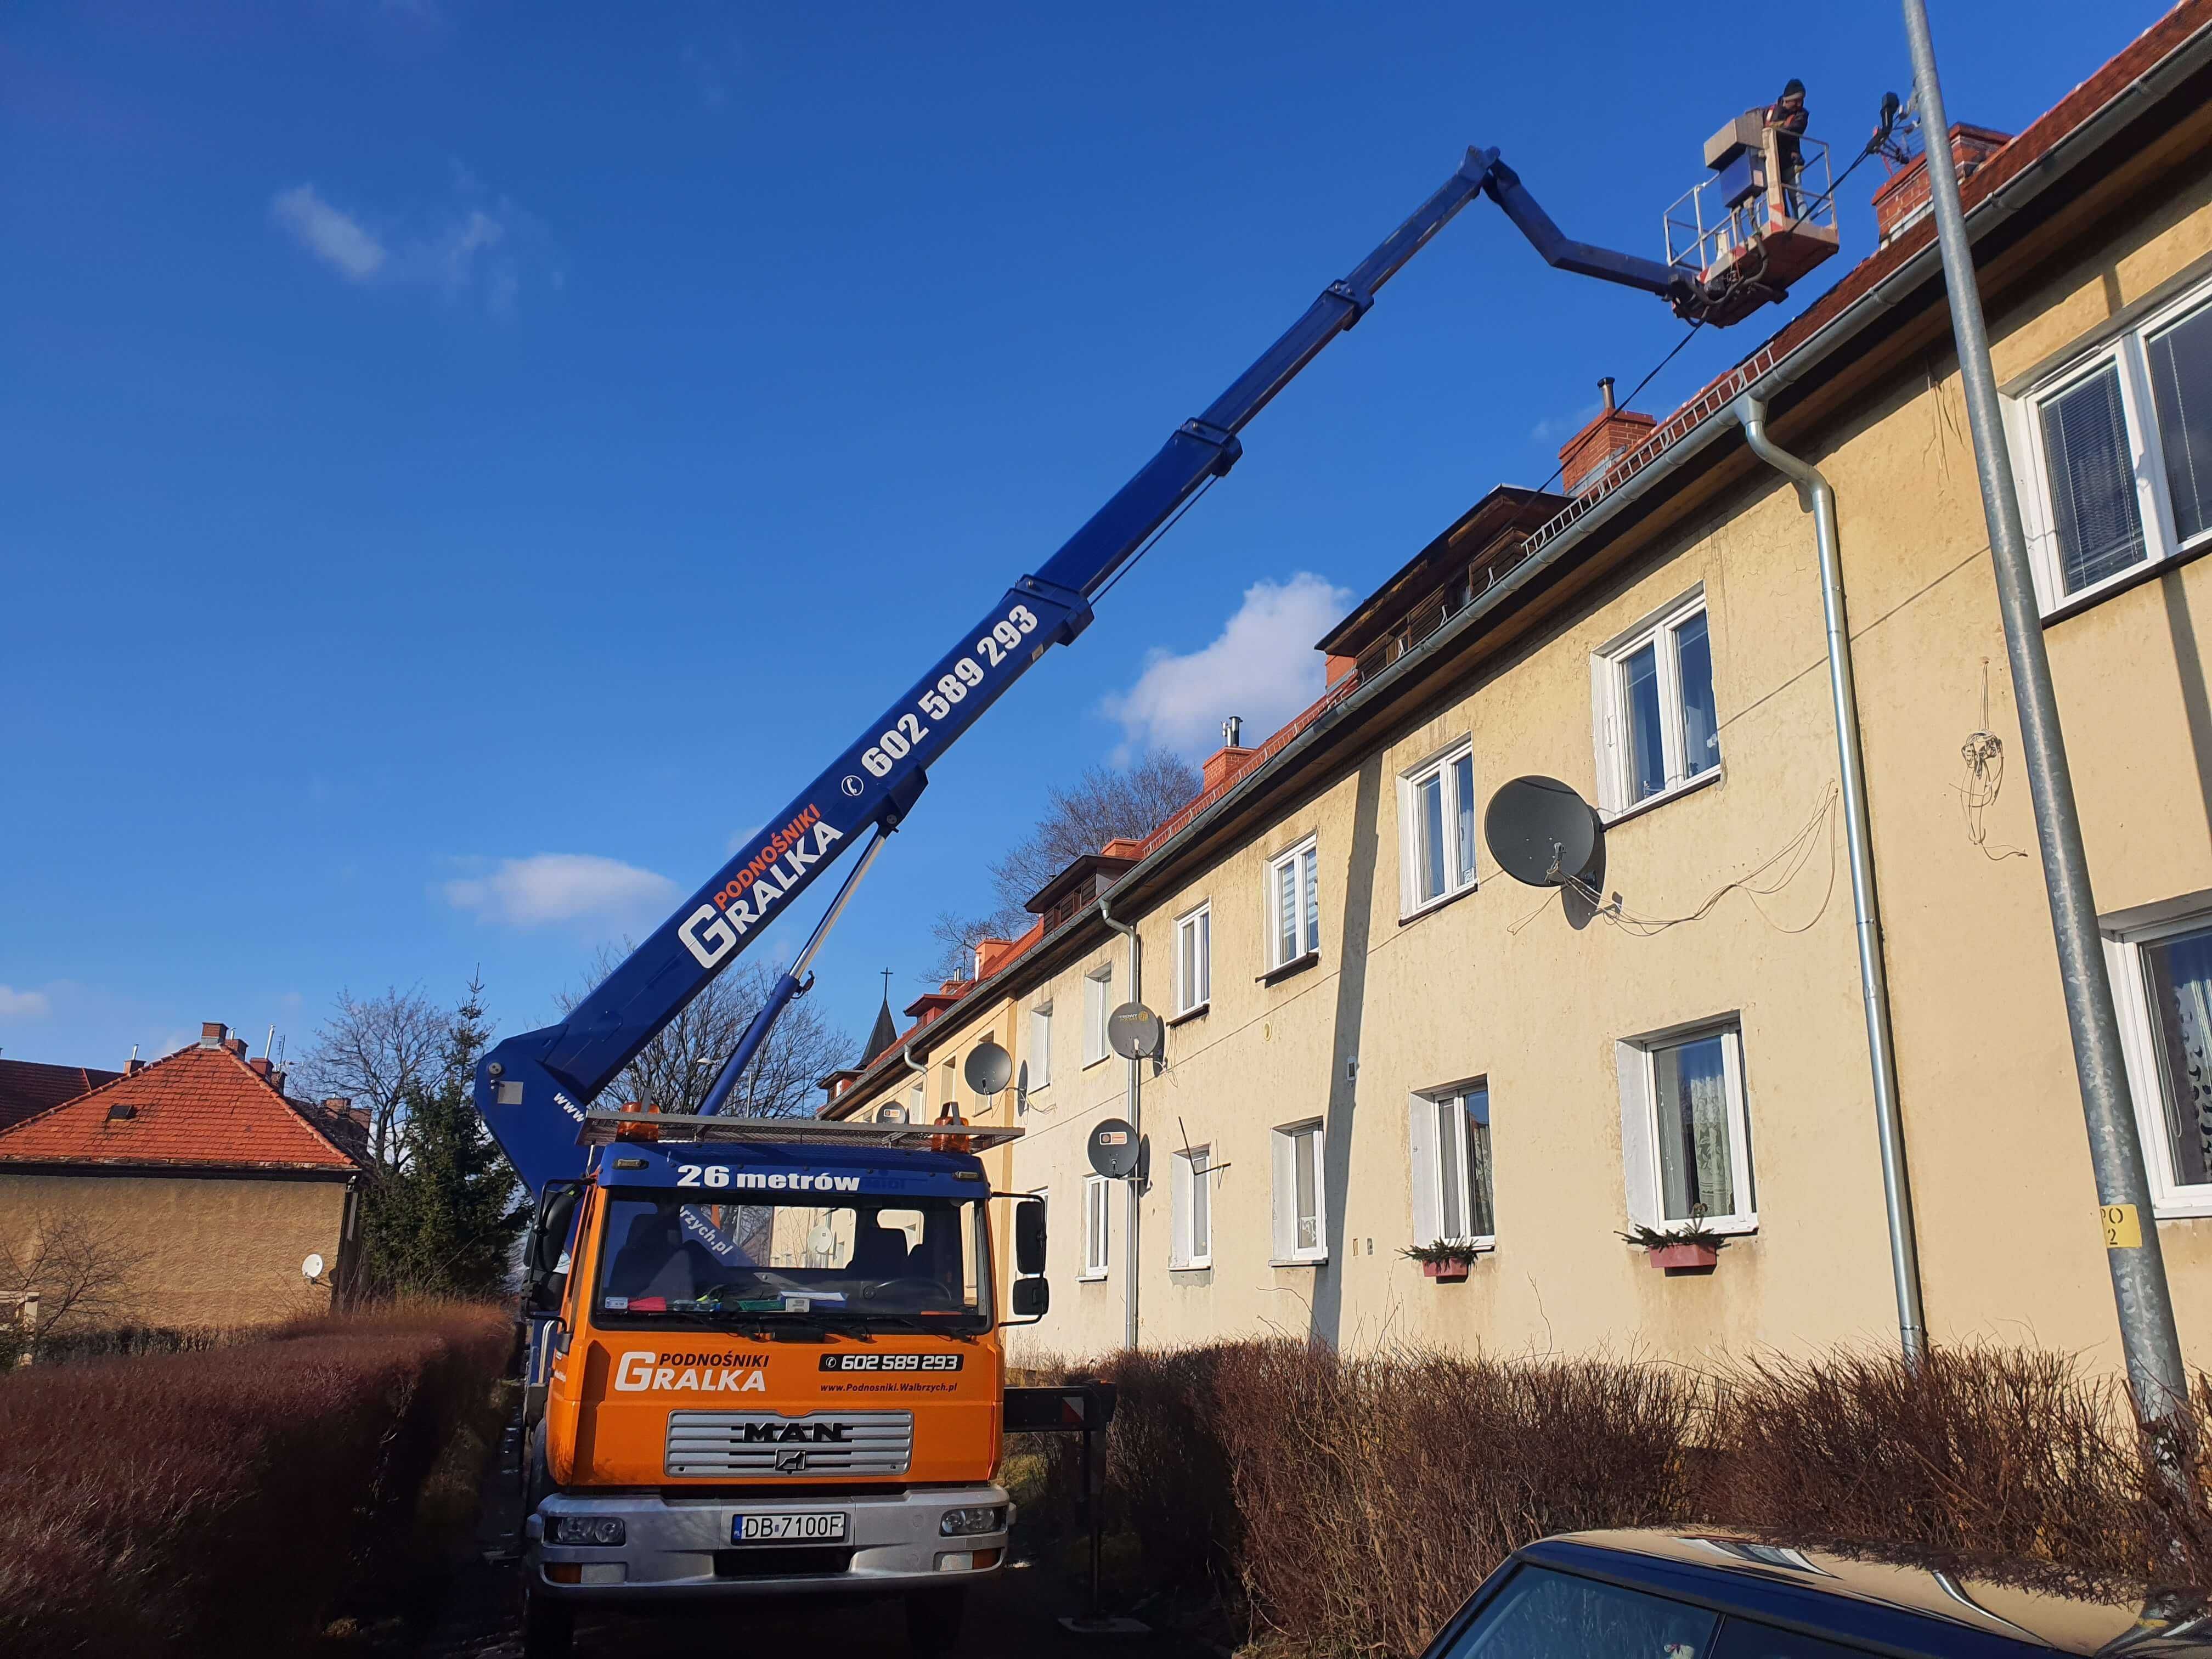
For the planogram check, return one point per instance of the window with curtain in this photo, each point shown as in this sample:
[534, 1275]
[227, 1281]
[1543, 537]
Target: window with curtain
[1097, 1003]
[1435, 819]
[2117, 453]
[1194, 974]
[1190, 1205]
[1040, 1053]
[1701, 1139]
[2177, 979]
[1293, 905]
[1301, 1204]
[1453, 1189]
[1658, 722]
[1096, 1214]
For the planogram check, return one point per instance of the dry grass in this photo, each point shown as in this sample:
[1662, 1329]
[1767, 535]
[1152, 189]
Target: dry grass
[1347, 1505]
[223, 1500]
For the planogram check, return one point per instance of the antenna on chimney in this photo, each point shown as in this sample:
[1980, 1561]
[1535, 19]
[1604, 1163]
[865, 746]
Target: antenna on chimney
[1232, 732]
[1605, 391]
[134, 1051]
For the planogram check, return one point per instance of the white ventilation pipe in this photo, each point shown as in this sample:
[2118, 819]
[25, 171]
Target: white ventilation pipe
[1815, 496]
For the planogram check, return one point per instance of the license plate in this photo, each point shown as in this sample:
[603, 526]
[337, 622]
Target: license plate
[814, 1528]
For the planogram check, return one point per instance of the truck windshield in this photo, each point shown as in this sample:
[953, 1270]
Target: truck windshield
[893, 1261]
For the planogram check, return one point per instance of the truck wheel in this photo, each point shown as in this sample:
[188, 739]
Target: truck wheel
[932, 1618]
[548, 1627]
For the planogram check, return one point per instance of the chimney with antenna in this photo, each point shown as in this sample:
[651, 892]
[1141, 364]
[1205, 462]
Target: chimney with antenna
[1232, 757]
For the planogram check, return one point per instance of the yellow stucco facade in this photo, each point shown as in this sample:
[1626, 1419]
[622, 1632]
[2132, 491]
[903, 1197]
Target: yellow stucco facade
[1554, 1012]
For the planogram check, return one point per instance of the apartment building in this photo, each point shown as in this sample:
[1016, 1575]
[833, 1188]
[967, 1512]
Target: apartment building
[1376, 1040]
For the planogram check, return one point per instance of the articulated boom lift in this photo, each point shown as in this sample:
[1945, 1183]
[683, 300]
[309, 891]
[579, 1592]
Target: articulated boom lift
[534, 1089]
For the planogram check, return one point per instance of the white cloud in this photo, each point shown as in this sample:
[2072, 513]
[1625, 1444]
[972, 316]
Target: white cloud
[471, 244]
[335, 238]
[1262, 665]
[23, 1004]
[557, 887]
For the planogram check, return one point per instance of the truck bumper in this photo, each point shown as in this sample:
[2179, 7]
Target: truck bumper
[677, 1548]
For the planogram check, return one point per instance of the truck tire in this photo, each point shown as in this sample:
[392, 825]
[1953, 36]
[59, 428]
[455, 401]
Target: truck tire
[932, 1618]
[548, 1627]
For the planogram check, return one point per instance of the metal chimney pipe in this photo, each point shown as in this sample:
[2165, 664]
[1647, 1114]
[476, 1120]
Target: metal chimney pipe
[1232, 732]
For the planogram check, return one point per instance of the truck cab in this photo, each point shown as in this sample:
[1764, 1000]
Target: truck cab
[768, 1367]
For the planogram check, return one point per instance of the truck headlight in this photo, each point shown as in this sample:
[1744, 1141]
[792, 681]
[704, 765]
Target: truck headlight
[965, 1524]
[584, 1530]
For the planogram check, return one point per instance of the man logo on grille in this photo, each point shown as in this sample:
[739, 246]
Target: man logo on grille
[790, 1460]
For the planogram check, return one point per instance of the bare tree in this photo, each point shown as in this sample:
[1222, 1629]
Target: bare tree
[1102, 805]
[676, 1069]
[81, 1265]
[377, 1050]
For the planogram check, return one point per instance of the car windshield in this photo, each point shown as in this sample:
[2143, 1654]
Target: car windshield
[888, 1262]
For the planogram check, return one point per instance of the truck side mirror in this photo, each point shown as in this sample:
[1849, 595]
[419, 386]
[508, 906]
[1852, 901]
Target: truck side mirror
[547, 1291]
[1029, 1240]
[1028, 1298]
[556, 1212]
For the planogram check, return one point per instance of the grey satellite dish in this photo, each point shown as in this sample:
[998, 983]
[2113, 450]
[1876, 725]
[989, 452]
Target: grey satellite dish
[988, 1069]
[1542, 833]
[1134, 1032]
[1113, 1149]
[893, 1113]
[1022, 1088]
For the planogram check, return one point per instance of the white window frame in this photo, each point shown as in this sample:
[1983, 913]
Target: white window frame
[1434, 1162]
[1413, 850]
[1097, 1004]
[1190, 1208]
[1097, 1228]
[2171, 1198]
[1639, 1127]
[2129, 352]
[1039, 1045]
[1609, 708]
[1299, 859]
[1288, 1252]
[1194, 989]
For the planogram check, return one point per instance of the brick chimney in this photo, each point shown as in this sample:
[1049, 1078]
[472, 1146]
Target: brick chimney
[1122, 846]
[337, 1105]
[212, 1034]
[260, 1066]
[133, 1066]
[277, 1078]
[1903, 199]
[1584, 457]
[360, 1116]
[237, 1046]
[1232, 757]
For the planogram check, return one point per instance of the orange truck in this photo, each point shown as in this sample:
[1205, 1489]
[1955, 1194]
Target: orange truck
[765, 1361]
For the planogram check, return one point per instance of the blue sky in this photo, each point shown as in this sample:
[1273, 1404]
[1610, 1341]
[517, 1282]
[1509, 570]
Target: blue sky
[465, 463]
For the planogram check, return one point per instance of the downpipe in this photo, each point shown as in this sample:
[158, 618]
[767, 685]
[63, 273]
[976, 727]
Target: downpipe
[1136, 1127]
[1816, 497]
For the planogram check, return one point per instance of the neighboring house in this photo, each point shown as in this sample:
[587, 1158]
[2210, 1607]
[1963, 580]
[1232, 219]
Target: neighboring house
[27, 1087]
[1377, 1040]
[204, 1188]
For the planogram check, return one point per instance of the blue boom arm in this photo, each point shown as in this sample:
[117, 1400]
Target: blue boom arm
[533, 1088]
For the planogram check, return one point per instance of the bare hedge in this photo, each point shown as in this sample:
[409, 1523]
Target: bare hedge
[219, 1501]
[1348, 1504]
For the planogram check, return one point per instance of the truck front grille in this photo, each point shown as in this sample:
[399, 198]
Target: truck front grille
[824, 1445]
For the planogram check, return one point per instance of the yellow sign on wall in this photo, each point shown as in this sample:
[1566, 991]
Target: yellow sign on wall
[2123, 1228]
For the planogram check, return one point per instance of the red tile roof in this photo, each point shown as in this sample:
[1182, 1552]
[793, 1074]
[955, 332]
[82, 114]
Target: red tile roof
[201, 1108]
[28, 1087]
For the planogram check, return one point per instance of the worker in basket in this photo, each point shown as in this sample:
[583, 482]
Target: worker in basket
[1786, 119]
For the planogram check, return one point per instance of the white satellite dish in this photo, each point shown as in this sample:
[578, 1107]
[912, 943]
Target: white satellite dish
[311, 1268]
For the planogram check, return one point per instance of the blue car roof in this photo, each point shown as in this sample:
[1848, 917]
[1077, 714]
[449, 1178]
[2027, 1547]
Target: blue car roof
[784, 1172]
[1879, 1604]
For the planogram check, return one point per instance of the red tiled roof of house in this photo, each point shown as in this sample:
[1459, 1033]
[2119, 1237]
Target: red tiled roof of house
[28, 1087]
[201, 1108]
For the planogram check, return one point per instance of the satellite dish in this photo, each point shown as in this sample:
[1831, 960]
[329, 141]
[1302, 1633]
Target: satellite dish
[1542, 833]
[1022, 1088]
[893, 1113]
[1134, 1032]
[988, 1069]
[311, 1268]
[1113, 1149]
[821, 1241]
